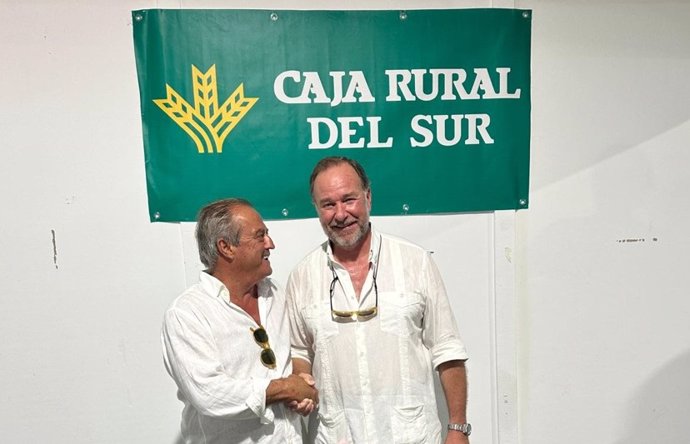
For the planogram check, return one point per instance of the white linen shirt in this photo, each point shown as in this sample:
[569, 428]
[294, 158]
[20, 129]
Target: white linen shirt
[210, 352]
[375, 376]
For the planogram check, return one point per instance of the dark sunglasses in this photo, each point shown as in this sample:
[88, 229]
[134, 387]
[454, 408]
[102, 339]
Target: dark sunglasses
[268, 358]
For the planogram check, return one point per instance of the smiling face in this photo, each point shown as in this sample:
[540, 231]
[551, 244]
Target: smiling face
[343, 205]
[253, 250]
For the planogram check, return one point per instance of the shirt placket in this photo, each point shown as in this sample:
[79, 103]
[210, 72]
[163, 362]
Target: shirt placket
[397, 267]
[364, 382]
[362, 331]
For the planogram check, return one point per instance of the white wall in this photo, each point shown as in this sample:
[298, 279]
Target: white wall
[601, 323]
[603, 270]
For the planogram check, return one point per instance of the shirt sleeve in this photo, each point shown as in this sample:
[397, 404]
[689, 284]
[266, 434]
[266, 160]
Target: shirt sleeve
[191, 358]
[440, 334]
[300, 339]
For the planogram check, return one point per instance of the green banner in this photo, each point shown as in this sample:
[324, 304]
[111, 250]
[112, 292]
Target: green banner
[242, 103]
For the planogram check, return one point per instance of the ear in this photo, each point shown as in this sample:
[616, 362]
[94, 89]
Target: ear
[225, 249]
[367, 196]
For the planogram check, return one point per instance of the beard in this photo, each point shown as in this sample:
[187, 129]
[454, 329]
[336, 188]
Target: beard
[357, 232]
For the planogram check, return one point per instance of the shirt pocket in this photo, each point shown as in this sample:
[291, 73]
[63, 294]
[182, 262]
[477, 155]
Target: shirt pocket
[401, 313]
[333, 428]
[408, 425]
[318, 318]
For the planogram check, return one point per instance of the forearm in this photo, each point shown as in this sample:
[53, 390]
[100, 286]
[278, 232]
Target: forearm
[221, 396]
[199, 375]
[301, 366]
[453, 377]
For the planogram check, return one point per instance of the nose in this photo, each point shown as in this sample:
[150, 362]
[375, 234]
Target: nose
[340, 212]
[268, 242]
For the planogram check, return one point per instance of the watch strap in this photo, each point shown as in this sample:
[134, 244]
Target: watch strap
[465, 428]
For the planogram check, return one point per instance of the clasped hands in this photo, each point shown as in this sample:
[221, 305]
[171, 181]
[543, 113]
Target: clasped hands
[304, 385]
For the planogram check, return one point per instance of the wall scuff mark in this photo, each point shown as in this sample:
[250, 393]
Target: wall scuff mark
[52, 232]
[635, 240]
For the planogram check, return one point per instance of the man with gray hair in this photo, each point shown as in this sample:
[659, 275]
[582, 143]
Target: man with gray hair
[234, 379]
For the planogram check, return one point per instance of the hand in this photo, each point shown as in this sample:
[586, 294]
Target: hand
[301, 388]
[454, 437]
[307, 405]
[309, 379]
[304, 407]
[292, 390]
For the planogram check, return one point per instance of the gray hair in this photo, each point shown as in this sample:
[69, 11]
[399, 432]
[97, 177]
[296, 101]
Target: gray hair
[217, 221]
[328, 162]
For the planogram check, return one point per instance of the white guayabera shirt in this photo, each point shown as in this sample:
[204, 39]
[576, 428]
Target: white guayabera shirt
[375, 376]
[210, 352]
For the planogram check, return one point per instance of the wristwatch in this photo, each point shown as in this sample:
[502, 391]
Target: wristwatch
[465, 428]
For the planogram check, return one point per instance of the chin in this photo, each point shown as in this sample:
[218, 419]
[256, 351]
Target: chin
[346, 242]
[343, 241]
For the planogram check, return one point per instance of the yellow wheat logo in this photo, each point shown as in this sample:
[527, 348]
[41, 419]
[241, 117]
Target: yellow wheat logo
[206, 123]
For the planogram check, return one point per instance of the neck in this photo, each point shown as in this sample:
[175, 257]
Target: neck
[239, 289]
[243, 292]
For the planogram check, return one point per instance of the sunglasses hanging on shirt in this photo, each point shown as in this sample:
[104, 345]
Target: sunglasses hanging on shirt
[364, 314]
[268, 358]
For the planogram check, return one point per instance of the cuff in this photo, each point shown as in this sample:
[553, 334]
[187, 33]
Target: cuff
[257, 401]
[448, 351]
[303, 354]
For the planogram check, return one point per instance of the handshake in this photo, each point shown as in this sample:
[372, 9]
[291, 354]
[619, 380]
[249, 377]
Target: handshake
[304, 385]
[297, 392]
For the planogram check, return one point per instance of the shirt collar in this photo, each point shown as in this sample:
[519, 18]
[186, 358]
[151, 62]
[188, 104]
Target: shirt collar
[215, 288]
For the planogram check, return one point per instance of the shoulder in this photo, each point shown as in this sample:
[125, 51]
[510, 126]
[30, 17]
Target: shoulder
[194, 299]
[314, 257]
[403, 244]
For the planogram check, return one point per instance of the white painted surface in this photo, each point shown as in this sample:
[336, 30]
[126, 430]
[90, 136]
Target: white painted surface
[600, 313]
[603, 279]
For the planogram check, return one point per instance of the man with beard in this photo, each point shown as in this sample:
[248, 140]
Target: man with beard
[370, 320]
[226, 339]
